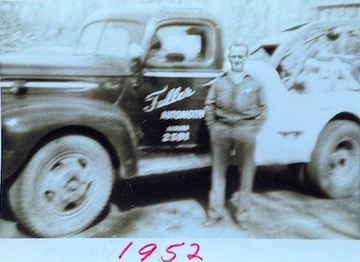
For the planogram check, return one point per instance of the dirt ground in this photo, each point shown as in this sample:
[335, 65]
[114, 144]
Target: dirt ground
[173, 206]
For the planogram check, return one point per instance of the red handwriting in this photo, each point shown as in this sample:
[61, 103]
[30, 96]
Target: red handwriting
[195, 254]
[125, 249]
[168, 250]
[147, 250]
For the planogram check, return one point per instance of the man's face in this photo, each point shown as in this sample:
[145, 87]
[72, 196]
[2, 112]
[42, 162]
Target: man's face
[237, 56]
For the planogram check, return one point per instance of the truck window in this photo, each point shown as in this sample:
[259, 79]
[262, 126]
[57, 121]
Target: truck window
[114, 41]
[179, 45]
[109, 38]
[89, 39]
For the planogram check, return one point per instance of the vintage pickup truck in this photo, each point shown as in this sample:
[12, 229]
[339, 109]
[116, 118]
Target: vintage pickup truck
[130, 102]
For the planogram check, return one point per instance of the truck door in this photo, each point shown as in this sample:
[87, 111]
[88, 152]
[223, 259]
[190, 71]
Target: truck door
[179, 68]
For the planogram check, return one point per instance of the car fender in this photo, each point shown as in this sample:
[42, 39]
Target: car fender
[29, 123]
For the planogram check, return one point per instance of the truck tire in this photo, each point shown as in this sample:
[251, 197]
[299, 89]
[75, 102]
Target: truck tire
[335, 165]
[63, 188]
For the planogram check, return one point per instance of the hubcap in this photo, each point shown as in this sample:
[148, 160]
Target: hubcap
[344, 162]
[67, 183]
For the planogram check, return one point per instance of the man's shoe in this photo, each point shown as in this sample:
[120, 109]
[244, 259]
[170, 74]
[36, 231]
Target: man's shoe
[211, 222]
[213, 217]
[240, 210]
[242, 220]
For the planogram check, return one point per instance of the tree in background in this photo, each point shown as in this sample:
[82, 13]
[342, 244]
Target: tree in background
[11, 28]
[27, 25]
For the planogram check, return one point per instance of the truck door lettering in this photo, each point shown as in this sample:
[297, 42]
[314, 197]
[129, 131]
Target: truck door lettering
[173, 95]
[182, 114]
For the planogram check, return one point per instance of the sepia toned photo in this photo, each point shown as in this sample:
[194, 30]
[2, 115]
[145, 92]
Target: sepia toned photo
[180, 119]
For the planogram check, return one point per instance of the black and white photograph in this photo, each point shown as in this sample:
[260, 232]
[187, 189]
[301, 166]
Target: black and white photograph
[170, 120]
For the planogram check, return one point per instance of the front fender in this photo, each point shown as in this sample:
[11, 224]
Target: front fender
[29, 122]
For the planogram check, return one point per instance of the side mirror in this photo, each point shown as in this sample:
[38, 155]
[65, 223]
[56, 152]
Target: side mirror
[136, 52]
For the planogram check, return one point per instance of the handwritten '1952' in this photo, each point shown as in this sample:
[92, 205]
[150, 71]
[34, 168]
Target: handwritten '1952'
[148, 249]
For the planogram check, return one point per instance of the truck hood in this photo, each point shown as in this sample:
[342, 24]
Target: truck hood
[31, 66]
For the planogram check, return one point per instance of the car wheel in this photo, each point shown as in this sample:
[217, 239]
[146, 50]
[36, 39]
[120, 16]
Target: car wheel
[335, 165]
[63, 188]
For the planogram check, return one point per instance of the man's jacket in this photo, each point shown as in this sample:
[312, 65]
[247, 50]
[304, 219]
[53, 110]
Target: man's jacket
[235, 104]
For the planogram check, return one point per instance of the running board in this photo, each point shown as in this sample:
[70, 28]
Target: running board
[154, 164]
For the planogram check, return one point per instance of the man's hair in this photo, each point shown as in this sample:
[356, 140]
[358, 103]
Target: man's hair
[239, 45]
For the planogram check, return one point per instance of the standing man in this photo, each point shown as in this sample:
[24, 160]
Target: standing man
[235, 109]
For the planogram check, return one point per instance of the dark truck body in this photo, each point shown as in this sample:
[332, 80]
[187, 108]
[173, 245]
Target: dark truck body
[71, 124]
[64, 91]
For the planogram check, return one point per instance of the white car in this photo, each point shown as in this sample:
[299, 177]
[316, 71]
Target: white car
[314, 106]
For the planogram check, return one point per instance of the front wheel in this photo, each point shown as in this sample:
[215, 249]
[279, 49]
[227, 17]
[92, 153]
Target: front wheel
[64, 187]
[335, 163]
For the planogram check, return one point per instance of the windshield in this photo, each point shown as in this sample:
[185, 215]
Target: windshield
[109, 38]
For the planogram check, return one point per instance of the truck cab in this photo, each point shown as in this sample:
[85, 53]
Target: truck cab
[130, 96]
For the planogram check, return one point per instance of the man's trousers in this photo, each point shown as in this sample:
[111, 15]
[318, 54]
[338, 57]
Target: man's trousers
[224, 138]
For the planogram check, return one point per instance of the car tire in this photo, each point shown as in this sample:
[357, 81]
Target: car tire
[64, 187]
[334, 169]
